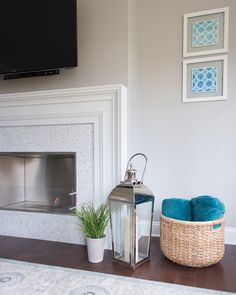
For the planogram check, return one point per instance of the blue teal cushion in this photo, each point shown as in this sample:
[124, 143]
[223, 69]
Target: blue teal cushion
[177, 208]
[207, 208]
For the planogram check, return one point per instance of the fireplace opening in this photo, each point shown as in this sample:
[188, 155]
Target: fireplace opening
[38, 182]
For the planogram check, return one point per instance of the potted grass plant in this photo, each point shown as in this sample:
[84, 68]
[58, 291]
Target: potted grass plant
[93, 223]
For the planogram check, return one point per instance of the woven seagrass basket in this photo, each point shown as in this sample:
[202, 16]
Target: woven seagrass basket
[190, 243]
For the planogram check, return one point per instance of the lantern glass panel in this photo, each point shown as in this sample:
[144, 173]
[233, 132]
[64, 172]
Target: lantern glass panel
[121, 214]
[143, 229]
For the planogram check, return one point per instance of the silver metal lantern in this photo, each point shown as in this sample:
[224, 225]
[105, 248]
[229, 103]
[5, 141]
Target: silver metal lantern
[131, 204]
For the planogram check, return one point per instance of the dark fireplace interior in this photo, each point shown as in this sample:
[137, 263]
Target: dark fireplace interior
[38, 182]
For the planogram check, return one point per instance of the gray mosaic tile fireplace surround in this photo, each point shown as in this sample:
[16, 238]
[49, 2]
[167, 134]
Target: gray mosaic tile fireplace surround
[60, 138]
[85, 128]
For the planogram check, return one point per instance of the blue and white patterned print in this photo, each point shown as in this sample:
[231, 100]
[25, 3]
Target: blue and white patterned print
[204, 79]
[205, 33]
[10, 279]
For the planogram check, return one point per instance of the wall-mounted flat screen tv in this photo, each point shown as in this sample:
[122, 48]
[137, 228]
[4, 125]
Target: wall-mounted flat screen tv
[37, 35]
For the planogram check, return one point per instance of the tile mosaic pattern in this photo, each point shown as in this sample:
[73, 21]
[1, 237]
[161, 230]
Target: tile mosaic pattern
[204, 80]
[205, 33]
[23, 278]
[50, 138]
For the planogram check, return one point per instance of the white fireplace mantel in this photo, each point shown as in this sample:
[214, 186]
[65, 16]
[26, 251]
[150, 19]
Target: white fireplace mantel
[105, 107]
[102, 106]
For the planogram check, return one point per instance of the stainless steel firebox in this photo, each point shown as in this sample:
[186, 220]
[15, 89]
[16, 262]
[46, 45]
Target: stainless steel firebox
[38, 182]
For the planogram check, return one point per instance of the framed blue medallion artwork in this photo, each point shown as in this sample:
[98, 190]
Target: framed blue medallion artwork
[205, 79]
[206, 32]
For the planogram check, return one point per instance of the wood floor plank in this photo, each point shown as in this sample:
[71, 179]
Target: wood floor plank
[221, 276]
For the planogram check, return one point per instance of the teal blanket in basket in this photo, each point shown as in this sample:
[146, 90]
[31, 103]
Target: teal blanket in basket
[207, 208]
[177, 208]
[202, 208]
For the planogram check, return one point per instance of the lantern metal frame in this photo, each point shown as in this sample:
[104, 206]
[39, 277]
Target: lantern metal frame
[133, 264]
[126, 193]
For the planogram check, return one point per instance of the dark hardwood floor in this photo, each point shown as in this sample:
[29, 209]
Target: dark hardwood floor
[221, 276]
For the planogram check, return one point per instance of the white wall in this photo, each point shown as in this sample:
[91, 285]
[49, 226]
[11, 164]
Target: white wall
[191, 147]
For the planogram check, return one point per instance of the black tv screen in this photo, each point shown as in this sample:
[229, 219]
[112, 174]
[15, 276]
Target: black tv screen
[37, 35]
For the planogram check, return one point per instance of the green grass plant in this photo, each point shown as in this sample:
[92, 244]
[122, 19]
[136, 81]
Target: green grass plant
[93, 222]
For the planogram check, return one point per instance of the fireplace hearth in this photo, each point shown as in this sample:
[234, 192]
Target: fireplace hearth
[38, 182]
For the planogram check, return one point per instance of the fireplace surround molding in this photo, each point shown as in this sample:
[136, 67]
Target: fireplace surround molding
[103, 107]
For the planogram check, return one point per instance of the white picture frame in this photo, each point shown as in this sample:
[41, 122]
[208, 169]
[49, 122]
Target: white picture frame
[195, 32]
[207, 66]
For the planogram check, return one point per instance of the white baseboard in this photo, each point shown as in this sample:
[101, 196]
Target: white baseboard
[230, 233]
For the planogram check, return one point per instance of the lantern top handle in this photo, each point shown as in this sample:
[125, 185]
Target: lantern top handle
[129, 163]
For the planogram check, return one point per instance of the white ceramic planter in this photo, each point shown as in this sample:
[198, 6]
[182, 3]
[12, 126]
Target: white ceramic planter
[95, 249]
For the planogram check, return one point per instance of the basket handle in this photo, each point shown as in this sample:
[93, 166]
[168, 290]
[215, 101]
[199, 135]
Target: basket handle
[217, 224]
